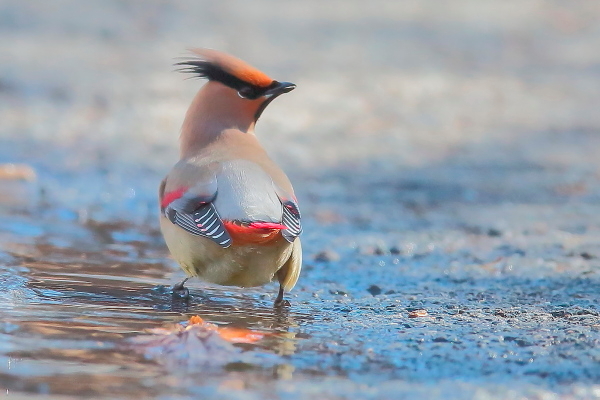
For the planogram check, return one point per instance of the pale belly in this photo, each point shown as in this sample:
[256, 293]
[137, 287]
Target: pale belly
[238, 265]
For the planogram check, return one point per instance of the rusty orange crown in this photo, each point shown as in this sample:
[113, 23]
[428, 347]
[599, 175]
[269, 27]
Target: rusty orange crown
[222, 67]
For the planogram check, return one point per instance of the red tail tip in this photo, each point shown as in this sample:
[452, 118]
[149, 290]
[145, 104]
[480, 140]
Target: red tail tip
[267, 225]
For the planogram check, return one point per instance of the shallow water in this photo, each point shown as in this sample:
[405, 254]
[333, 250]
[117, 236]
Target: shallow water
[79, 297]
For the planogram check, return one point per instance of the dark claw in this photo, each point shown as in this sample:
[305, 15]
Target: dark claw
[180, 291]
[282, 304]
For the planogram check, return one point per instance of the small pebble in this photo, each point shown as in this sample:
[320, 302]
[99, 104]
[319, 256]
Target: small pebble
[379, 251]
[394, 250]
[326, 256]
[374, 290]
[417, 313]
[17, 172]
[494, 232]
[373, 251]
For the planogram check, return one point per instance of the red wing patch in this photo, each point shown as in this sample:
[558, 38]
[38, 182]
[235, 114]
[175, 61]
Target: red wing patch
[266, 225]
[168, 198]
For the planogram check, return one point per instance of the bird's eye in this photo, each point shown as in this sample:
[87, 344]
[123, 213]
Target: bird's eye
[246, 93]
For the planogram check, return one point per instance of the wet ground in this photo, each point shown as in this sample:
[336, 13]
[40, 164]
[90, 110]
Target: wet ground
[445, 159]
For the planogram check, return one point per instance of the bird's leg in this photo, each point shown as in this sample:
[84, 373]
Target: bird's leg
[180, 290]
[279, 301]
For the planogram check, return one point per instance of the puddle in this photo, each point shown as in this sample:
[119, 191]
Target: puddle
[72, 313]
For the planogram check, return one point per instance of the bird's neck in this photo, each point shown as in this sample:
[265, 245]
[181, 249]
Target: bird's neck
[215, 109]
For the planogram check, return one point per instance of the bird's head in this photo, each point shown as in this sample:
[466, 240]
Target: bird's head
[249, 83]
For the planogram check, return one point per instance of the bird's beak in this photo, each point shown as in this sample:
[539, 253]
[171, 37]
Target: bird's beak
[274, 90]
[280, 88]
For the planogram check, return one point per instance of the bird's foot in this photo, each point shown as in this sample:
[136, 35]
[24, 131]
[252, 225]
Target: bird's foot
[180, 291]
[280, 302]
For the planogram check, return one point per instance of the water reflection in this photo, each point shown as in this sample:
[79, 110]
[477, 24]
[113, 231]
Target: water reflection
[74, 297]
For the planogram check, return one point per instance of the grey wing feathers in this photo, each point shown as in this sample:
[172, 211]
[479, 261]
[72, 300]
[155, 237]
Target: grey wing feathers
[195, 212]
[291, 217]
[204, 222]
[291, 220]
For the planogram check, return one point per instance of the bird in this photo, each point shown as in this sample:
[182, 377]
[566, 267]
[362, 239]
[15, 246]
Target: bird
[228, 213]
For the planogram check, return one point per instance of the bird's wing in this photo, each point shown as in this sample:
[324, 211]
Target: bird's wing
[193, 210]
[291, 218]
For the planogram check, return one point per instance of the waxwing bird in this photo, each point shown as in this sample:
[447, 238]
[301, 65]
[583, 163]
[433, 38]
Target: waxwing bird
[228, 213]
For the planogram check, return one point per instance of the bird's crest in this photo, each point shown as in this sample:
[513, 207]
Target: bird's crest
[230, 71]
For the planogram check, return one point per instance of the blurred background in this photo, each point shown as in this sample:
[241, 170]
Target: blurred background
[453, 143]
[417, 90]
